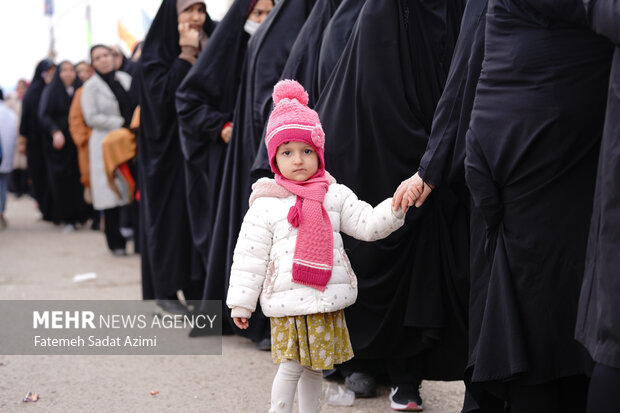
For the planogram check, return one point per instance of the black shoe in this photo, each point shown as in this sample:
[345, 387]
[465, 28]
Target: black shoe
[264, 344]
[406, 398]
[362, 384]
[174, 307]
[119, 252]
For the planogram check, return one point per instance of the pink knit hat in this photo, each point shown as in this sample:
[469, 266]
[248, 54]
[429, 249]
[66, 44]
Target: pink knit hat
[292, 120]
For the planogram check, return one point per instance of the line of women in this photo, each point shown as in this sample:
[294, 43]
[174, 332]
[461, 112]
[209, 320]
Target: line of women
[500, 107]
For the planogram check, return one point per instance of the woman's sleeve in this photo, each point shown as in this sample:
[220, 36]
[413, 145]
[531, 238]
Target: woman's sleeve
[93, 115]
[46, 109]
[361, 221]
[250, 260]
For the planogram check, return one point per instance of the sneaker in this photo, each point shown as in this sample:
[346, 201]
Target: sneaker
[406, 398]
[362, 384]
[119, 252]
[68, 229]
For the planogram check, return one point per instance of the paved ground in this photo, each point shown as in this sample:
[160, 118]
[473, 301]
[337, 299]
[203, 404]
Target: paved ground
[38, 262]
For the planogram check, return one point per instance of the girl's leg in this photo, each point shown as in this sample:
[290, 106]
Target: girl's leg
[310, 389]
[284, 386]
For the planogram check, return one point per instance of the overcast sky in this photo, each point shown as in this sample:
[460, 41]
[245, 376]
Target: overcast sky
[25, 30]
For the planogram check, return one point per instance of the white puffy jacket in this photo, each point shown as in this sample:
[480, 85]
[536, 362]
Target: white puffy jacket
[263, 258]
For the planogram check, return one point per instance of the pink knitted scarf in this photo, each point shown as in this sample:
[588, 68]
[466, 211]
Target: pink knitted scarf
[313, 258]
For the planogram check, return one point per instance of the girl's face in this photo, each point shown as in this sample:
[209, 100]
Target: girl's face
[84, 71]
[67, 74]
[260, 11]
[297, 161]
[195, 15]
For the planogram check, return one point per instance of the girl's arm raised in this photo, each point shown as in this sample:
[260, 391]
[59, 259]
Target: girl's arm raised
[361, 221]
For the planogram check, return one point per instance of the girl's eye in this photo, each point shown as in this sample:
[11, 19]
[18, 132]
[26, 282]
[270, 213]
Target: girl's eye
[307, 151]
[286, 153]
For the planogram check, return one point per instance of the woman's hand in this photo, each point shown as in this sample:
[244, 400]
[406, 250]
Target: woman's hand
[58, 140]
[188, 36]
[242, 323]
[226, 133]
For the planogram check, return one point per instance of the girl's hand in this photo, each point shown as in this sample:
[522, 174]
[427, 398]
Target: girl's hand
[242, 323]
[58, 140]
[411, 191]
[188, 36]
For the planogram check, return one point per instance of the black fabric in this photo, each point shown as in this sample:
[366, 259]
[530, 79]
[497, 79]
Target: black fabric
[376, 110]
[266, 55]
[302, 65]
[598, 323]
[30, 127]
[167, 243]
[603, 394]
[113, 235]
[63, 174]
[205, 103]
[443, 165]
[122, 96]
[534, 137]
[336, 36]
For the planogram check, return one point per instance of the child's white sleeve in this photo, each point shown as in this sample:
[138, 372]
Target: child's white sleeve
[250, 261]
[361, 221]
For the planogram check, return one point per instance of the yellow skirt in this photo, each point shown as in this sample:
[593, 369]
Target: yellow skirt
[316, 340]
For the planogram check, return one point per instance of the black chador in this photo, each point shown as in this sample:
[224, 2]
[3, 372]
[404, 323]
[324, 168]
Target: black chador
[63, 174]
[377, 109]
[205, 104]
[168, 247]
[30, 127]
[534, 136]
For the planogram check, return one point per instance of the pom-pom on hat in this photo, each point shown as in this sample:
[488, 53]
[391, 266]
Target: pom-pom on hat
[292, 120]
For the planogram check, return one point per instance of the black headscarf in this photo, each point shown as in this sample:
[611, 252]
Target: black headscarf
[376, 110]
[336, 36]
[267, 52]
[169, 250]
[122, 96]
[30, 104]
[55, 103]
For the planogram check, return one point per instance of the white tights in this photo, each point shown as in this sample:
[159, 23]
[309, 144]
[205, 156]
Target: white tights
[284, 384]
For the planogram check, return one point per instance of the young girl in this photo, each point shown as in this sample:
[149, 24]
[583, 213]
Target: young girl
[290, 252]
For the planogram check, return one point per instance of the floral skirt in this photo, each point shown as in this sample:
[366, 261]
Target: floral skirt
[316, 340]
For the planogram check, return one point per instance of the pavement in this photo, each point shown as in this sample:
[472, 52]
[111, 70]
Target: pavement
[38, 262]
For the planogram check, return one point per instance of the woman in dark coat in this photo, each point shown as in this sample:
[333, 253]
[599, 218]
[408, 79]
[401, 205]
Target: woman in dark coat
[30, 127]
[266, 55]
[177, 35]
[531, 156]
[378, 107]
[205, 104]
[59, 149]
[598, 321]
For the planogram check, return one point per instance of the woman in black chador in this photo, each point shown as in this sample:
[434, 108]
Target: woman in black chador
[302, 65]
[205, 103]
[531, 156]
[59, 150]
[378, 107]
[178, 33]
[266, 55]
[30, 127]
[443, 163]
[598, 321]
